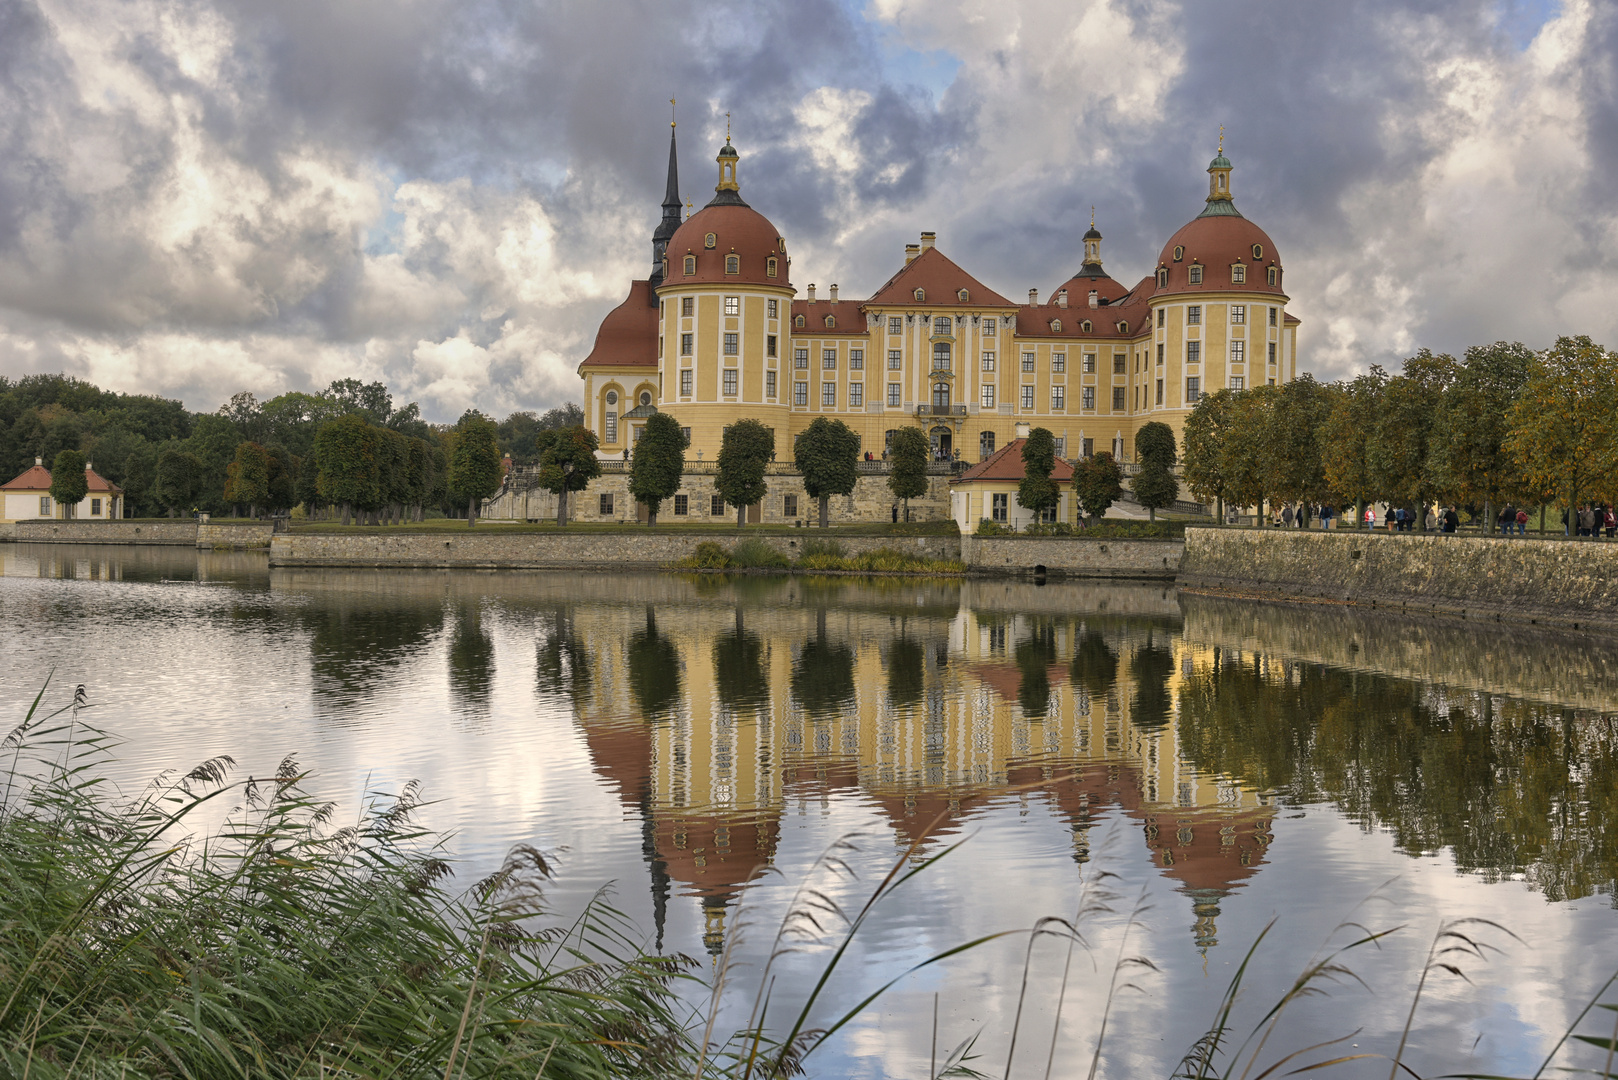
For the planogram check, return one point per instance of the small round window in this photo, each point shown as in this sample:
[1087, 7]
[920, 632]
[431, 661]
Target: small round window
[645, 397]
[709, 240]
[1258, 251]
[1179, 252]
[612, 397]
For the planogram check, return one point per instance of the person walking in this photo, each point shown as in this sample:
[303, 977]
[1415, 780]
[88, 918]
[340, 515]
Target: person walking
[1286, 515]
[1370, 517]
[1430, 523]
[1522, 522]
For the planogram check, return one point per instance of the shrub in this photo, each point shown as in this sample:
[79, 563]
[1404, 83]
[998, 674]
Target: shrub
[1055, 528]
[708, 556]
[818, 547]
[991, 528]
[754, 553]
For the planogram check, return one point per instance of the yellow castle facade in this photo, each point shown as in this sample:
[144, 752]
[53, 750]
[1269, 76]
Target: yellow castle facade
[718, 333]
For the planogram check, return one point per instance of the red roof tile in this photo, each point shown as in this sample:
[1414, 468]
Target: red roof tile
[941, 282]
[628, 335]
[38, 478]
[847, 316]
[1006, 464]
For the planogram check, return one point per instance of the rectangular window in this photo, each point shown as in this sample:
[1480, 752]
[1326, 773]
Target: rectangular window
[1272, 316]
[1118, 364]
[95, 507]
[1193, 390]
[685, 382]
[606, 505]
[1160, 391]
[1193, 352]
[828, 395]
[828, 359]
[687, 305]
[1089, 363]
[800, 393]
[1087, 397]
[685, 434]
[1272, 352]
[800, 359]
[1238, 313]
[856, 359]
[1087, 447]
[1238, 352]
[895, 360]
[1195, 275]
[685, 344]
[789, 506]
[988, 326]
[716, 506]
[856, 395]
[1058, 362]
[45, 506]
[732, 344]
[987, 400]
[1028, 397]
[1028, 361]
[769, 385]
[893, 395]
[1001, 506]
[1117, 399]
[730, 382]
[1193, 315]
[1160, 356]
[1058, 398]
[733, 305]
[896, 325]
[1275, 276]
[988, 361]
[610, 428]
[1237, 382]
[1162, 315]
[1061, 446]
[769, 345]
[682, 505]
[772, 308]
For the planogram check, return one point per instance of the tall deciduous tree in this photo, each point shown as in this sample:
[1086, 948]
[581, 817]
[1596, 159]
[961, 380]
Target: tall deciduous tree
[1205, 431]
[1155, 485]
[1467, 455]
[1097, 484]
[1346, 438]
[826, 453]
[907, 465]
[346, 450]
[1294, 470]
[568, 464]
[1564, 426]
[1036, 491]
[1246, 446]
[1397, 451]
[658, 463]
[474, 468]
[745, 449]
[247, 477]
[69, 484]
[177, 476]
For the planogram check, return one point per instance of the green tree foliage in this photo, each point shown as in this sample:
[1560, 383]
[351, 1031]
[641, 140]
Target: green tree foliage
[247, 477]
[1346, 438]
[745, 449]
[346, 450]
[654, 669]
[283, 479]
[1247, 445]
[1098, 482]
[1205, 431]
[1398, 450]
[1154, 444]
[568, 464]
[520, 432]
[1564, 425]
[1036, 491]
[1155, 485]
[907, 465]
[1294, 466]
[178, 476]
[474, 468]
[658, 464]
[825, 453]
[1468, 460]
[213, 442]
[69, 484]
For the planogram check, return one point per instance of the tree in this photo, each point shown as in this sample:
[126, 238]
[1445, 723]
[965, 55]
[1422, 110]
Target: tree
[1205, 431]
[825, 453]
[346, 450]
[1467, 455]
[474, 468]
[1246, 446]
[1293, 467]
[1097, 484]
[907, 465]
[1398, 448]
[177, 477]
[247, 477]
[1564, 426]
[569, 463]
[1036, 491]
[1155, 485]
[1346, 436]
[658, 465]
[283, 479]
[744, 451]
[69, 484]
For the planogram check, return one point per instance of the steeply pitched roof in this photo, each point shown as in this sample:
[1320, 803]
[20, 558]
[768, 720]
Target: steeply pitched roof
[1006, 464]
[36, 478]
[846, 316]
[941, 281]
[628, 335]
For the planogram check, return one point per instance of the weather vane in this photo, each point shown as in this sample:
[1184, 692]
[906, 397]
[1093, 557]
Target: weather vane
[688, 209]
[671, 112]
[1092, 215]
[727, 127]
[1221, 138]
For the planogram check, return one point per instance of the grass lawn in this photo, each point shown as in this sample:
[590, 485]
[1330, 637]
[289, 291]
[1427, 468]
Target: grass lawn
[718, 531]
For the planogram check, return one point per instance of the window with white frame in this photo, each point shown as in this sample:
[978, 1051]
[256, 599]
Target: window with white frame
[941, 356]
[986, 397]
[732, 344]
[1000, 506]
[1088, 364]
[896, 325]
[772, 308]
[1193, 389]
[610, 426]
[1160, 391]
[1028, 361]
[1238, 274]
[800, 359]
[893, 395]
[1272, 316]
[1058, 398]
[856, 359]
[1117, 399]
[1058, 363]
[988, 361]
[769, 385]
[988, 326]
[800, 393]
[45, 501]
[828, 395]
[941, 325]
[1027, 397]
[685, 382]
[1061, 446]
[1238, 313]
[856, 395]
[828, 359]
[985, 443]
[730, 382]
[1119, 364]
[1238, 382]
[688, 306]
[1193, 315]
[1238, 352]
[1193, 352]
[733, 305]
[686, 341]
[1272, 353]
[1087, 397]
[896, 360]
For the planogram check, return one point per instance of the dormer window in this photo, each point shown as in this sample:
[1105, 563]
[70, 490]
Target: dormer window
[1196, 274]
[921, 294]
[1056, 326]
[690, 265]
[1238, 274]
[733, 264]
[1275, 276]
[1085, 326]
[769, 267]
[709, 240]
[1258, 252]
[1179, 252]
[963, 296]
[1123, 327]
[1162, 277]
[797, 320]
[831, 321]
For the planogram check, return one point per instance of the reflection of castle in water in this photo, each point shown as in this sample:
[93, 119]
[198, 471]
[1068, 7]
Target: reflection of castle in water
[711, 730]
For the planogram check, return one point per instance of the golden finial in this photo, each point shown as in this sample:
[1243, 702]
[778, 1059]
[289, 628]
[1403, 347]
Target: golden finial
[688, 209]
[671, 112]
[1092, 215]
[727, 127]
[1221, 138]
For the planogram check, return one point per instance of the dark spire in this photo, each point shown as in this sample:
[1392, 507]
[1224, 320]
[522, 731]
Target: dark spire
[671, 216]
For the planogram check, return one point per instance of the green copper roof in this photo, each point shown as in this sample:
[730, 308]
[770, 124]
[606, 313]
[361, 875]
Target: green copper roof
[1221, 162]
[1220, 208]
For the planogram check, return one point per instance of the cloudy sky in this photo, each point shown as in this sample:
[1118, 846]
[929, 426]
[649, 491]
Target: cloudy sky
[204, 196]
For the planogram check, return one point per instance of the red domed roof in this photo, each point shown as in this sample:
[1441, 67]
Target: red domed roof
[1216, 241]
[738, 230]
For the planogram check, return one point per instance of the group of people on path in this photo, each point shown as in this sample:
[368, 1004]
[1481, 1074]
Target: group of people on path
[1592, 520]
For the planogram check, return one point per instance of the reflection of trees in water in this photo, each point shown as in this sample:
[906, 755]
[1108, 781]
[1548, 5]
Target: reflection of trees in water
[738, 670]
[1510, 787]
[654, 669]
[561, 663]
[1095, 665]
[1152, 665]
[823, 677]
[471, 660]
[907, 672]
[1034, 656]
[357, 643]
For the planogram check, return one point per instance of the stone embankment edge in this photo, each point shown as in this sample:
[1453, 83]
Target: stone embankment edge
[1523, 581]
[146, 533]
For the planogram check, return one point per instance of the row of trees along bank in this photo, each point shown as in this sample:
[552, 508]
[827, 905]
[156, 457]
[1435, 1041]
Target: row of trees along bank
[1502, 424]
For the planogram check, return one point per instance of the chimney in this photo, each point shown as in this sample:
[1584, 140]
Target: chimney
[1033, 297]
[928, 239]
[39, 461]
[911, 251]
[1061, 298]
[89, 466]
[811, 293]
[1095, 298]
[1022, 429]
[834, 294]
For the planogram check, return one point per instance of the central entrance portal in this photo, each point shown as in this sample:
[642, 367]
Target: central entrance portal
[943, 446]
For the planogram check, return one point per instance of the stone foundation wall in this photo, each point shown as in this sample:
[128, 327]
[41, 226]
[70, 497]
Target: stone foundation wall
[1549, 582]
[1065, 556]
[180, 533]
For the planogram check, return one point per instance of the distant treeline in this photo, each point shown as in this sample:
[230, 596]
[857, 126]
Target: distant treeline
[379, 461]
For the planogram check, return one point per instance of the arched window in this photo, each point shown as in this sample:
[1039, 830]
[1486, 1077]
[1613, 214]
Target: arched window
[830, 322]
[1196, 274]
[941, 396]
[733, 264]
[1056, 326]
[1238, 274]
[1085, 326]
[769, 267]
[1275, 276]
[921, 294]
[797, 320]
[941, 356]
[985, 443]
[1123, 327]
[1162, 278]
[690, 265]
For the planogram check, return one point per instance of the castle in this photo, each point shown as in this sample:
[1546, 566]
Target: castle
[717, 333]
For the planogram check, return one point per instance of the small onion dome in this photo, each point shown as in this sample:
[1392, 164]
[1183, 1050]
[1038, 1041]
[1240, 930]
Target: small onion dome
[1220, 162]
[727, 150]
[1093, 234]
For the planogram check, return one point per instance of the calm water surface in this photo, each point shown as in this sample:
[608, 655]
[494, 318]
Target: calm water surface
[1230, 764]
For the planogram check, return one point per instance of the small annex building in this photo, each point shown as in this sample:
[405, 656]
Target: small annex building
[28, 497]
[989, 490]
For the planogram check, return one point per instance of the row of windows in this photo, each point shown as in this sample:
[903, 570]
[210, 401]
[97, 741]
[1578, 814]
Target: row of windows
[1238, 315]
[941, 324]
[682, 504]
[733, 265]
[1238, 274]
[732, 307]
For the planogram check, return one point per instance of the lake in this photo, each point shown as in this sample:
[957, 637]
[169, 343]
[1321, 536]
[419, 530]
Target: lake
[1208, 767]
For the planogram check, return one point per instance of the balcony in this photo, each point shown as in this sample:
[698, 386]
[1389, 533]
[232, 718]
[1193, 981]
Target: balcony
[940, 410]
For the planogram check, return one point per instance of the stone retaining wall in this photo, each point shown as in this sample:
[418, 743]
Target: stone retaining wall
[1069, 556]
[180, 533]
[553, 550]
[1555, 582]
